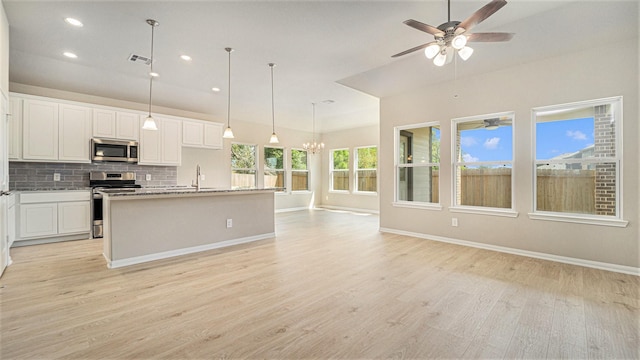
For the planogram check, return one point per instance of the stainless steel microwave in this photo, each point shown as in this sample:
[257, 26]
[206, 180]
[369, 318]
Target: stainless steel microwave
[107, 150]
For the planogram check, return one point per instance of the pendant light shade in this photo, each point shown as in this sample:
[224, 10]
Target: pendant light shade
[149, 123]
[465, 53]
[274, 137]
[228, 133]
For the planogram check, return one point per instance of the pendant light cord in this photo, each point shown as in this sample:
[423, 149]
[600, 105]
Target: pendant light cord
[153, 25]
[229, 90]
[273, 115]
[314, 122]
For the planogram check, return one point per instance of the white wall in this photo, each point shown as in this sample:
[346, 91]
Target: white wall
[566, 78]
[348, 139]
[4, 52]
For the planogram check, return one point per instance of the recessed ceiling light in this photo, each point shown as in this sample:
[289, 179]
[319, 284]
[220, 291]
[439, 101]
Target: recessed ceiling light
[185, 57]
[74, 22]
[215, 89]
[70, 55]
[154, 74]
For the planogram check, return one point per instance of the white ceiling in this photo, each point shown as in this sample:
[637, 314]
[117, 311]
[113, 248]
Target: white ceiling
[338, 50]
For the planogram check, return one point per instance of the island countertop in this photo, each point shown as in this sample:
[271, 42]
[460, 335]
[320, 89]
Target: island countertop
[173, 191]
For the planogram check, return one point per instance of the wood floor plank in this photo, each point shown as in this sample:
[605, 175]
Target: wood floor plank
[330, 285]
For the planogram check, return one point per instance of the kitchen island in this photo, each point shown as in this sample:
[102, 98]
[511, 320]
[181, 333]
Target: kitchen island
[148, 224]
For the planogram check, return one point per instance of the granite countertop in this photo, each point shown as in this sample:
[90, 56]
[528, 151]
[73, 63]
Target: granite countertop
[172, 191]
[74, 188]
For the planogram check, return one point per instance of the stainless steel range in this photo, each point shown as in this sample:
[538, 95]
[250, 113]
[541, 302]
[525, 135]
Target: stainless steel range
[106, 180]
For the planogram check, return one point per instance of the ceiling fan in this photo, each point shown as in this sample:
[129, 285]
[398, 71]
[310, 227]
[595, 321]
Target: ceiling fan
[453, 36]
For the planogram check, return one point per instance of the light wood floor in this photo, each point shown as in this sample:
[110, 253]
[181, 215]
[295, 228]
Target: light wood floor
[329, 286]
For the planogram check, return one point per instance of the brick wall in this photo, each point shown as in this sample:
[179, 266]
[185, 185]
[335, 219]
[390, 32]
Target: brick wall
[604, 146]
[39, 176]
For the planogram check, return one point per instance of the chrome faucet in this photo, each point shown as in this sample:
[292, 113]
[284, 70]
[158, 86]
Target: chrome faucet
[197, 182]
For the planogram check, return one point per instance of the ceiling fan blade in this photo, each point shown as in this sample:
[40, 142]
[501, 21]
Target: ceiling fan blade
[424, 27]
[489, 37]
[483, 13]
[414, 49]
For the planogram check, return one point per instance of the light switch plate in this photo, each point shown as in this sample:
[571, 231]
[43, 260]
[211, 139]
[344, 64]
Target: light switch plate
[148, 177]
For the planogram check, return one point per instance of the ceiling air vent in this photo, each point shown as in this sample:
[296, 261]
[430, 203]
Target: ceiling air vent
[140, 59]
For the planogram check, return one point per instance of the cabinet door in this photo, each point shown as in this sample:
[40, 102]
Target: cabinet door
[104, 123]
[15, 129]
[11, 225]
[74, 133]
[192, 134]
[38, 220]
[127, 126]
[40, 130]
[74, 217]
[213, 135]
[149, 151]
[171, 146]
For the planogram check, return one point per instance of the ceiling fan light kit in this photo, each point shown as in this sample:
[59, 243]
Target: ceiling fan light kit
[453, 36]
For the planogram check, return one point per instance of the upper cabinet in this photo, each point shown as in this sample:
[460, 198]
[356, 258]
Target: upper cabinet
[74, 130]
[15, 128]
[162, 146]
[111, 124]
[40, 130]
[201, 134]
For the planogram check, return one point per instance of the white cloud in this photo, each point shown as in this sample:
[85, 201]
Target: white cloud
[491, 143]
[576, 135]
[467, 141]
[469, 158]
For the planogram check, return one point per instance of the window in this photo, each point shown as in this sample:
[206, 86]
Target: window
[299, 170]
[339, 170]
[274, 174]
[417, 163]
[483, 162]
[577, 159]
[243, 166]
[366, 169]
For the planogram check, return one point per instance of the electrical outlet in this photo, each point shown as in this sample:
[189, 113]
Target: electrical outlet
[454, 221]
[148, 177]
[56, 177]
[229, 223]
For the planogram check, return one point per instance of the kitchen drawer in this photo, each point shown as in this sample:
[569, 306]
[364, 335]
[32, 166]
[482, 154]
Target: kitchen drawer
[53, 196]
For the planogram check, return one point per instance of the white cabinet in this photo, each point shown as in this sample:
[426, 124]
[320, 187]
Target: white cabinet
[53, 214]
[201, 134]
[111, 124]
[40, 130]
[162, 146]
[11, 219]
[15, 128]
[38, 220]
[74, 217]
[74, 130]
[55, 132]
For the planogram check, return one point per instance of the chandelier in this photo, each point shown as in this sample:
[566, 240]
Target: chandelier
[313, 147]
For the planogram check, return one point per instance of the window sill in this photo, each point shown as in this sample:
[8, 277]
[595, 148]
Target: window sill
[484, 211]
[365, 193]
[299, 192]
[578, 219]
[345, 192]
[414, 205]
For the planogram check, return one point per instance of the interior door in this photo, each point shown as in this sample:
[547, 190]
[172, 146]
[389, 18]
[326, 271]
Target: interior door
[4, 183]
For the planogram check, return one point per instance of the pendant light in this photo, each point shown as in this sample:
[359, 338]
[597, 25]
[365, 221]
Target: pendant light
[149, 123]
[313, 147]
[228, 133]
[274, 137]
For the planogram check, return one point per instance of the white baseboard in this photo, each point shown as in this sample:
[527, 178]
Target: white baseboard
[561, 259]
[331, 207]
[291, 209]
[167, 254]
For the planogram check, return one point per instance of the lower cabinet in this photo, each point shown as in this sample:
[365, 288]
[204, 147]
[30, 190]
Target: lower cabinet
[53, 214]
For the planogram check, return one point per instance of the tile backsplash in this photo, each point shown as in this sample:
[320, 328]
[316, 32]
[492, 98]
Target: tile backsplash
[39, 176]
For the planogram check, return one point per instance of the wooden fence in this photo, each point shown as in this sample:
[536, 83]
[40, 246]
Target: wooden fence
[299, 181]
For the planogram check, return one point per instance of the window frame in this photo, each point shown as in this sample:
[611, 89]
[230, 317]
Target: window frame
[256, 169]
[283, 170]
[592, 219]
[483, 210]
[307, 171]
[332, 170]
[396, 167]
[356, 168]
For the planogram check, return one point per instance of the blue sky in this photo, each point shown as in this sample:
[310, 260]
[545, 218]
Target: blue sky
[553, 138]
